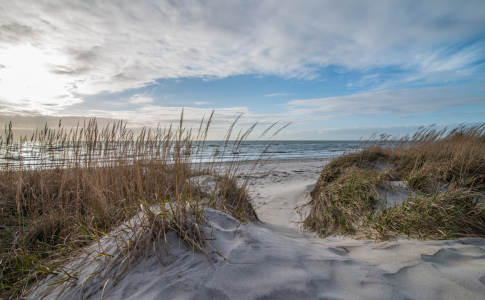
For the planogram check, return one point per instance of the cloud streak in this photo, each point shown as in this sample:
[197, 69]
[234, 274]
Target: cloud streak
[404, 101]
[277, 94]
[141, 99]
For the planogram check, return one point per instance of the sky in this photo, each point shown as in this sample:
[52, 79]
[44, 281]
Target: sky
[335, 70]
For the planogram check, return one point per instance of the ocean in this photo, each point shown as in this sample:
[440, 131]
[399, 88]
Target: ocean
[32, 155]
[280, 149]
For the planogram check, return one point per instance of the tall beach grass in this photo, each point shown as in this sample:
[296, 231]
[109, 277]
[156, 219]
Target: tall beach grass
[444, 171]
[82, 183]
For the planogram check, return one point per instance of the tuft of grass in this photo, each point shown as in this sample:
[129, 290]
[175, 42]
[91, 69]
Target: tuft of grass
[443, 215]
[65, 189]
[444, 170]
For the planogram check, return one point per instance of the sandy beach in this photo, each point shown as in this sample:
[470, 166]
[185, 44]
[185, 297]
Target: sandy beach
[277, 259]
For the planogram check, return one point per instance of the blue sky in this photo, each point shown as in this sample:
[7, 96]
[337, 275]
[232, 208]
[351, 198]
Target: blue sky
[334, 69]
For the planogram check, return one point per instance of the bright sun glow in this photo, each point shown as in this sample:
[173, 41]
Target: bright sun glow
[27, 82]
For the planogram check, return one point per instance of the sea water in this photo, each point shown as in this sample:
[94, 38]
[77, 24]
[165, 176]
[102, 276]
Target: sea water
[282, 149]
[32, 155]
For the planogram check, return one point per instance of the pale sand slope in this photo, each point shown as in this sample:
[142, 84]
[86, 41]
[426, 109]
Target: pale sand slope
[277, 260]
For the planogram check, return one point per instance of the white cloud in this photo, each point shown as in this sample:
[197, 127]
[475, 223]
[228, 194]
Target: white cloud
[393, 101]
[202, 103]
[113, 46]
[141, 99]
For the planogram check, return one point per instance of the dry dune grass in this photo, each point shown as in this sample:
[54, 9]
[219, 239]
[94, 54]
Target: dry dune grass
[86, 181]
[445, 171]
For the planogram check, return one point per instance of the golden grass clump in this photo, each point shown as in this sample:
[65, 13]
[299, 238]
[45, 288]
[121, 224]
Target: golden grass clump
[79, 184]
[444, 171]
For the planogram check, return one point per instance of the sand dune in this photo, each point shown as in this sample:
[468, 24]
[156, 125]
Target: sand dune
[276, 259]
